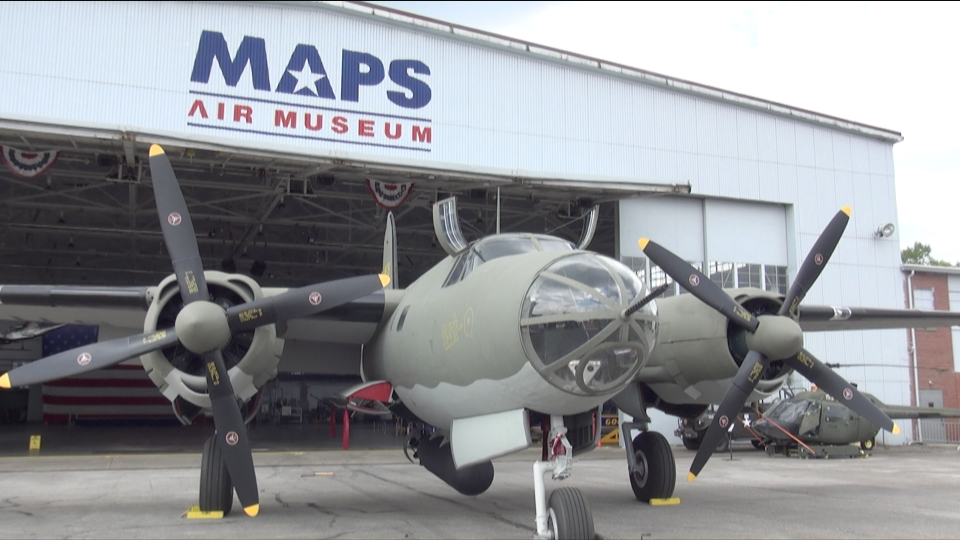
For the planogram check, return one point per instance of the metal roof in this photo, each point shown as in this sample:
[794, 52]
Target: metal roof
[928, 269]
[520, 47]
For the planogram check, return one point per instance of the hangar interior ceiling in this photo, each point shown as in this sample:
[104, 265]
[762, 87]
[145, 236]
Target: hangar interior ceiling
[91, 219]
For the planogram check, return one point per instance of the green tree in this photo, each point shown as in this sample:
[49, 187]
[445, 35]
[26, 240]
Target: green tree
[919, 253]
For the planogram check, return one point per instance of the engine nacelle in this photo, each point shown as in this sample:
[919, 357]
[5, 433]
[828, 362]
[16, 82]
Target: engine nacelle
[251, 357]
[700, 350]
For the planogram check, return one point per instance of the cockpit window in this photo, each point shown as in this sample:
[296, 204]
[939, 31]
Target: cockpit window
[501, 246]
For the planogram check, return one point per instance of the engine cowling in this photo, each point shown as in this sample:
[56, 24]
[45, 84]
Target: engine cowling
[251, 357]
[700, 350]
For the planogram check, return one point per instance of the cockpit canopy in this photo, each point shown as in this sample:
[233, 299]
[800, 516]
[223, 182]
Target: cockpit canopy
[502, 245]
[572, 328]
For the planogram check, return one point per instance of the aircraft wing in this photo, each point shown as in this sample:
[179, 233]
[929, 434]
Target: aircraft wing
[904, 411]
[120, 307]
[126, 308]
[830, 318]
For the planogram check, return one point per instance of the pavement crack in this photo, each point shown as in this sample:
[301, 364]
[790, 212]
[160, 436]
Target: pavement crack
[333, 515]
[465, 506]
[277, 498]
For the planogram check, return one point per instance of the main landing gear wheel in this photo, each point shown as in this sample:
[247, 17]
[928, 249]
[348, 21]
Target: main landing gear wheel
[657, 475]
[867, 444]
[569, 515]
[757, 444]
[691, 444]
[216, 488]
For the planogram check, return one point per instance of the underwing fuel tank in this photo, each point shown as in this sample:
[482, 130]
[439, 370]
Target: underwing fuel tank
[437, 458]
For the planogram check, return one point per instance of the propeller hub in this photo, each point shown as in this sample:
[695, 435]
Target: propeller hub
[202, 327]
[776, 337]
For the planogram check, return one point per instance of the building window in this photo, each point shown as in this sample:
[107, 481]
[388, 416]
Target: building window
[653, 277]
[923, 298]
[775, 278]
[955, 333]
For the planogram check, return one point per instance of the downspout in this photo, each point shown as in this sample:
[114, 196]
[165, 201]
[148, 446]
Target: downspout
[913, 353]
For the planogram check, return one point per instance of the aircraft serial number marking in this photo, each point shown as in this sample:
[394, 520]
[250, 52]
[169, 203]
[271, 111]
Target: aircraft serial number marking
[191, 282]
[214, 374]
[152, 338]
[250, 314]
[805, 360]
[742, 313]
[755, 373]
[451, 329]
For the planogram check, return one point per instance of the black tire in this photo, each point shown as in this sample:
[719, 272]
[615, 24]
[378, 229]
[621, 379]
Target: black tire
[758, 444]
[723, 445]
[867, 444]
[570, 517]
[216, 488]
[658, 470]
[691, 444]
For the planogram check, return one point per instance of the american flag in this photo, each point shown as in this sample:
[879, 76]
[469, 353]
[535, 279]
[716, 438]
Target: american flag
[119, 394]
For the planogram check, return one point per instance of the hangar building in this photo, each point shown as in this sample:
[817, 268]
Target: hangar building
[294, 125]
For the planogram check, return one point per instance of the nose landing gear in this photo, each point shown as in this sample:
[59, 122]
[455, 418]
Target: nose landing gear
[567, 516]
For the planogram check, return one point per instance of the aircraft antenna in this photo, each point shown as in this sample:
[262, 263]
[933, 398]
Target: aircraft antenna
[498, 210]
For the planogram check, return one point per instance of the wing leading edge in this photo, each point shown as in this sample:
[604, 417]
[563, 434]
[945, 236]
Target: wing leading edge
[831, 318]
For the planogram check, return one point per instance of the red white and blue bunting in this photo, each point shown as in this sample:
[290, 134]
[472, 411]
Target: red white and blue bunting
[387, 195]
[28, 164]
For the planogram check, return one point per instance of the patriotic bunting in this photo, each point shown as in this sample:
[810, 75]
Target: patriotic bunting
[387, 195]
[28, 164]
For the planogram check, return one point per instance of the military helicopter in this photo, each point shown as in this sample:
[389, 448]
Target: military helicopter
[814, 424]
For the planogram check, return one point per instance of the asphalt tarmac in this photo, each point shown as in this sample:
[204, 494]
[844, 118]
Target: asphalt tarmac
[897, 492]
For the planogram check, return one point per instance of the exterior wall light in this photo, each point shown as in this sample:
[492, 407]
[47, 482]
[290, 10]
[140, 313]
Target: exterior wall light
[885, 231]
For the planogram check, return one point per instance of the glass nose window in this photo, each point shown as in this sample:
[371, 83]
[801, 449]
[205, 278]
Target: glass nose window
[571, 324]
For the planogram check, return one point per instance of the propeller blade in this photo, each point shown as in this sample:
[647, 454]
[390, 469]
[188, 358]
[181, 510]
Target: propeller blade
[233, 432]
[303, 302]
[698, 284]
[733, 401]
[178, 232]
[815, 262]
[87, 358]
[825, 378]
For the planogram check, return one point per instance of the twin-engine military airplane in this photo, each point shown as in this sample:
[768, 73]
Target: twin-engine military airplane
[815, 424]
[507, 332]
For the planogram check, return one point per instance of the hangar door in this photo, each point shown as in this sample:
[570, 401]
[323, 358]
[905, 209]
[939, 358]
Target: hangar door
[736, 243]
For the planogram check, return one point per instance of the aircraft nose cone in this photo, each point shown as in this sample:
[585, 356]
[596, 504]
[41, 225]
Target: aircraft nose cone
[776, 337]
[202, 327]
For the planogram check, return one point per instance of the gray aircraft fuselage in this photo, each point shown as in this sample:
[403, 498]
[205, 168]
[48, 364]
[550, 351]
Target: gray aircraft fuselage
[516, 321]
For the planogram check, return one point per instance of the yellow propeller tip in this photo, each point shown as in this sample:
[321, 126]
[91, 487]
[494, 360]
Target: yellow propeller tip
[5, 380]
[847, 210]
[252, 510]
[643, 243]
[384, 279]
[896, 428]
[691, 477]
[155, 150]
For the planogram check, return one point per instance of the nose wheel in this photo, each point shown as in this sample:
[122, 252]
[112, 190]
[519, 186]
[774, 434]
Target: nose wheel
[567, 515]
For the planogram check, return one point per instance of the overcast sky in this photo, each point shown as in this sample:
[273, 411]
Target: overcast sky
[890, 65]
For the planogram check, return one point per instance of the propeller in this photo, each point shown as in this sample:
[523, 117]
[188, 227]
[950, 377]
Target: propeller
[202, 327]
[769, 337]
